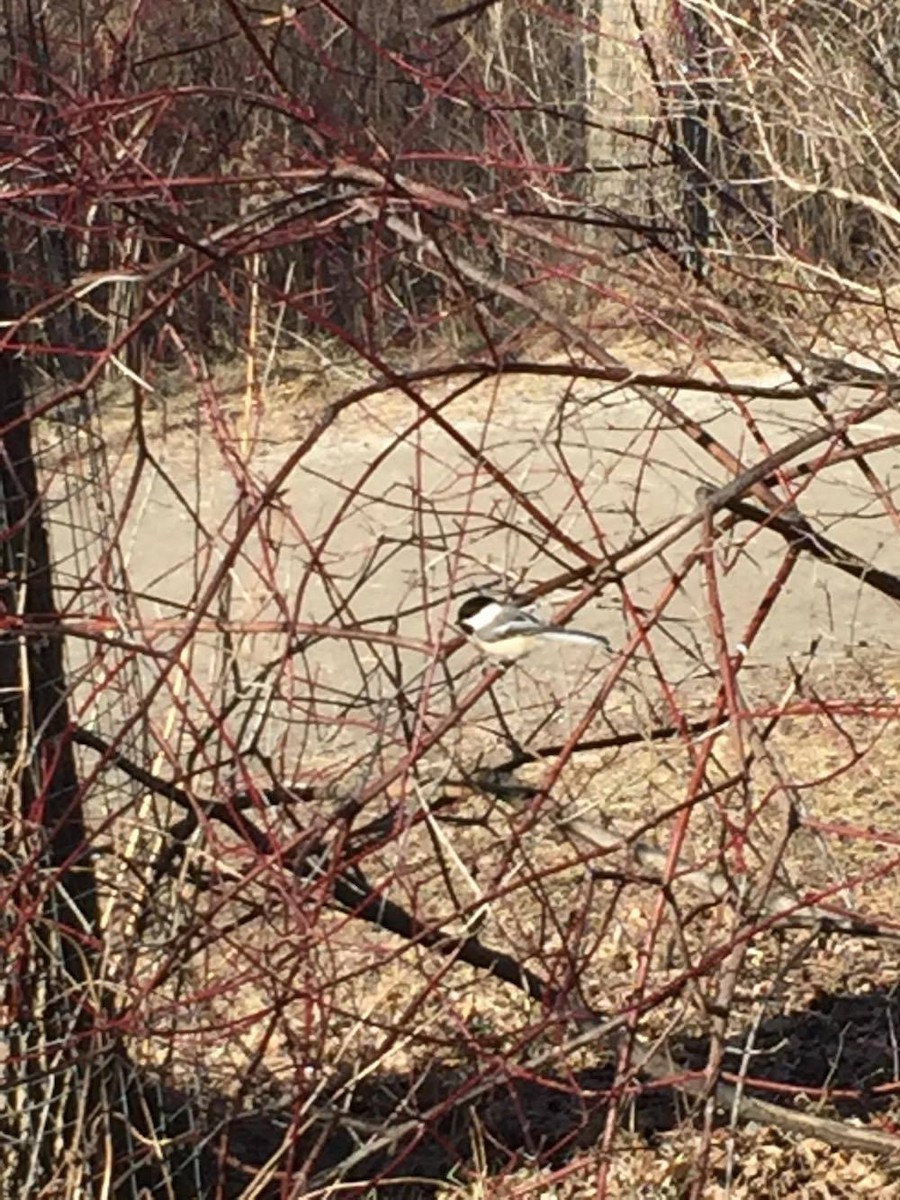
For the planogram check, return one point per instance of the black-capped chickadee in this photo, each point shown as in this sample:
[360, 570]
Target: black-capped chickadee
[508, 632]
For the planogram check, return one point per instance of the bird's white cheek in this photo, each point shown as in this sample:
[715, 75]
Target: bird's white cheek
[484, 617]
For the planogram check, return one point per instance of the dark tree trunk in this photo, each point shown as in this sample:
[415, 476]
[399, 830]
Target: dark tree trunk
[70, 1104]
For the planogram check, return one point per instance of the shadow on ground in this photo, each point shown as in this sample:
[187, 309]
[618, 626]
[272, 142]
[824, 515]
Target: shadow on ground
[842, 1043]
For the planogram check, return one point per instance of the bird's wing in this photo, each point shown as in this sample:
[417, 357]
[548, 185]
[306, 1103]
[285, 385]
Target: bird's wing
[513, 621]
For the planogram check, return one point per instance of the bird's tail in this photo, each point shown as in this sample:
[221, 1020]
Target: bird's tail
[577, 635]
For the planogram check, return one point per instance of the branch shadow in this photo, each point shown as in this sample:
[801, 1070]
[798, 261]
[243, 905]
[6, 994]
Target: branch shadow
[840, 1044]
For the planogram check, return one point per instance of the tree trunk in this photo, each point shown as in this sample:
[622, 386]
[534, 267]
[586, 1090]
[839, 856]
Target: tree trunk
[71, 1104]
[622, 106]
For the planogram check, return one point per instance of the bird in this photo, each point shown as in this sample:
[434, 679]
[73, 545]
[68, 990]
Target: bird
[507, 631]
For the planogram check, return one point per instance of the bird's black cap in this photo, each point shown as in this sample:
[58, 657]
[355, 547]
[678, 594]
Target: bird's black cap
[470, 607]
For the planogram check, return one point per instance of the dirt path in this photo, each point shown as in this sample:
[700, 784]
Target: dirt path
[424, 518]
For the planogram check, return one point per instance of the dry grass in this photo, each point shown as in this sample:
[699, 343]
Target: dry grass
[397, 1029]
